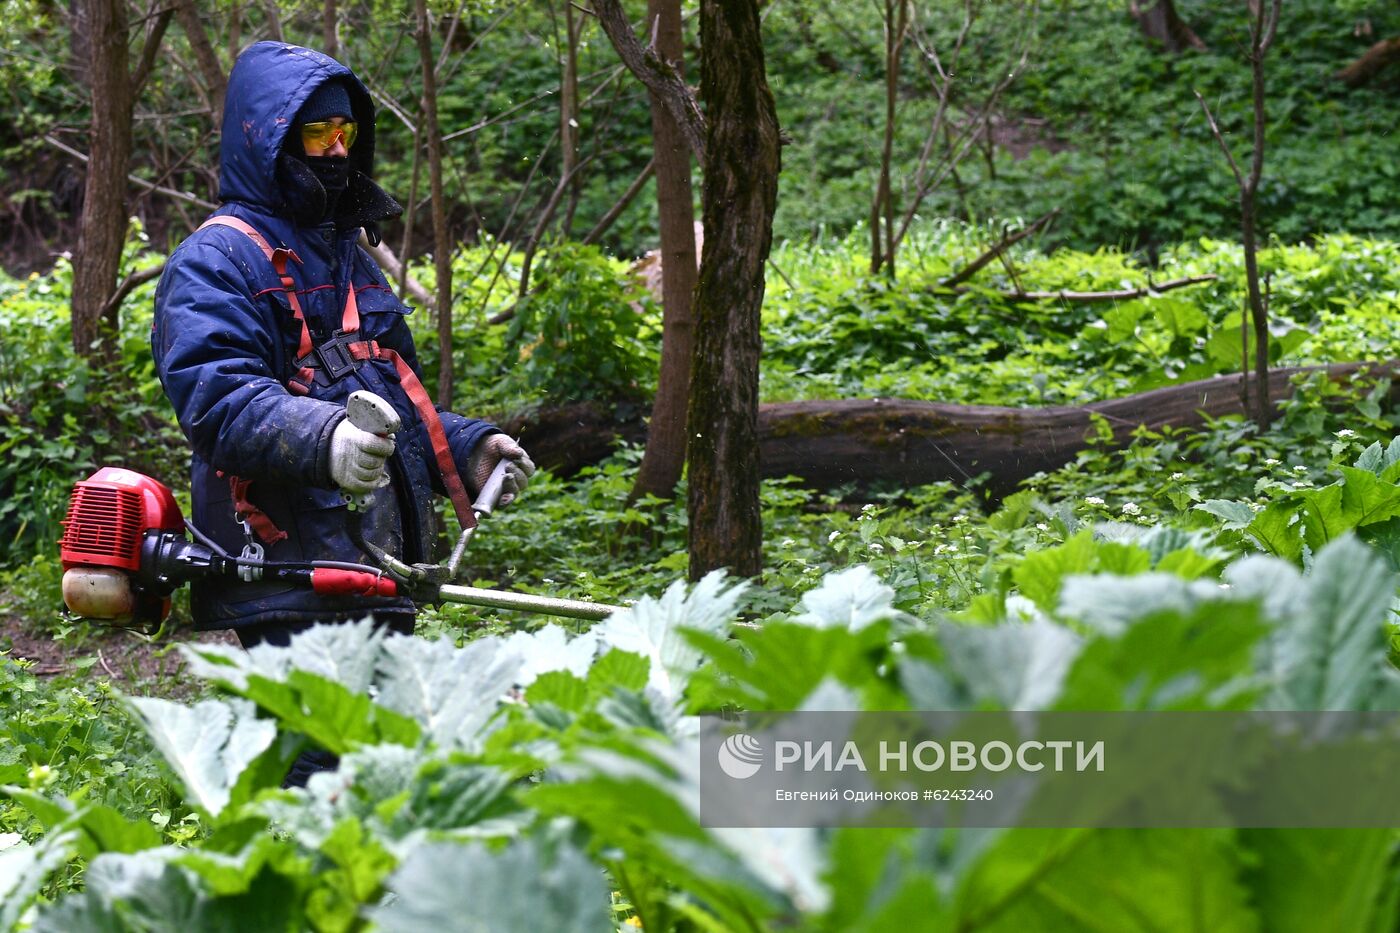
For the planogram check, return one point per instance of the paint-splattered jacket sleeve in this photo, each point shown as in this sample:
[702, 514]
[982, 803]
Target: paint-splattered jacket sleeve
[217, 352]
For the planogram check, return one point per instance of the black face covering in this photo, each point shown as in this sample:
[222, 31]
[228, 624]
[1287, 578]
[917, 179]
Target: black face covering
[333, 172]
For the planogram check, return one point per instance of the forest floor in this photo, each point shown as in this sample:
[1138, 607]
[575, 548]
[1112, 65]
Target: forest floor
[134, 664]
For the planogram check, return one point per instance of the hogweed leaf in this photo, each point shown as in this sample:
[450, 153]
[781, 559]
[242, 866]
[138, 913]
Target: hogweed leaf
[208, 745]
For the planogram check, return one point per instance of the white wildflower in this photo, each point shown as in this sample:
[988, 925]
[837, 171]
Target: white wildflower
[833, 536]
[1041, 526]
[1299, 469]
[1093, 500]
[876, 546]
[1177, 477]
[1132, 508]
[959, 519]
[1346, 432]
[1272, 461]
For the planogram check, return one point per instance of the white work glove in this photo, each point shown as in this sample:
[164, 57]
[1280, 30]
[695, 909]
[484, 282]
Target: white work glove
[484, 459]
[358, 458]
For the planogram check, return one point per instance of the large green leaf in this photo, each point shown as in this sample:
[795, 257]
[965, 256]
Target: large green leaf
[1323, 879]
[1328, 653]
[652, 628]
[442, 886]
[299, 685]
[1146, 880]
[1011, 665]
[346, 654]
[146, 892]
[24, 869]
[550, 648]
[451, 692]
[876, 883]
[208, 745]
[1198, 659]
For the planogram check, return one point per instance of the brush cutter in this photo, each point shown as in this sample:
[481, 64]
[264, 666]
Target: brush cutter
[124, 550]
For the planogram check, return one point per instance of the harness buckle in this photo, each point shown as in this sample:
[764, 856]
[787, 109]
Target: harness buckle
[333, 357]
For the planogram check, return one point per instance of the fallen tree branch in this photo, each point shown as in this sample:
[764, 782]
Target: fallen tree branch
[898, 442]
[1006, 242]
[1125, 294]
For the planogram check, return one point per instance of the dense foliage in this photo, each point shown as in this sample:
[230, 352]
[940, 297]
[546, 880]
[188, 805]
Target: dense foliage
[517, 781]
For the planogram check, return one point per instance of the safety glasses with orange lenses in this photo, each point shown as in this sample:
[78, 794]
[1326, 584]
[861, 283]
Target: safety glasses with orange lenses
[324, 135]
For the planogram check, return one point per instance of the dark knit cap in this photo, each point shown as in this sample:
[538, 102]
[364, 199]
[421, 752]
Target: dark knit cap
[331, 99]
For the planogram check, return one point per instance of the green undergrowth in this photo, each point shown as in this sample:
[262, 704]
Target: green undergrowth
[550, 779]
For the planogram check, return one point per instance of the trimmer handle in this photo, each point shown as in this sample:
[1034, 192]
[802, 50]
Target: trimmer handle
[490, 495]
[372, 413]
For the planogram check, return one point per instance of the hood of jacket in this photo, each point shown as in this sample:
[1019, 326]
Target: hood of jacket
[268, 85]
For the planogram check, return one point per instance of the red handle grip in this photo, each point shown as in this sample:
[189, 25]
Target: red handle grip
[329, 582]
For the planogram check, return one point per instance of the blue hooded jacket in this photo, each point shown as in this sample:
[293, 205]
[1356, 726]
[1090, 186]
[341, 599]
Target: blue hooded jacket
[225, 340]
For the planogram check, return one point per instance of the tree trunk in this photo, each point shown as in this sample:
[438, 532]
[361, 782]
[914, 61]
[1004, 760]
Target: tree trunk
[740, 195]
[442, 246]
[1261, 38]
[1375, 60]
[102, 229]
[569, 113]
[896, 442]
[666, 440]
[206, 59]
[329, 15]
[1163, 24]
[896, 16]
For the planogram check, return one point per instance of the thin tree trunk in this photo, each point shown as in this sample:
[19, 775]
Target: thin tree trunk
[1163, 24]
[329, 15]
[740, 195]
[1263, 29]
[664, 459]
[569, 112]
[882, 208]
[442, 247]
[274, 20]
[235, 31]
[411, 210]
[102, 228]
[1261, 37]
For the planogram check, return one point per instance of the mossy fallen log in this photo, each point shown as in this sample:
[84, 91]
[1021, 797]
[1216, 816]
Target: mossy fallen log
[900, 442]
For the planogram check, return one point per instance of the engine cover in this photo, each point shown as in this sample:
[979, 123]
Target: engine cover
[109, 513]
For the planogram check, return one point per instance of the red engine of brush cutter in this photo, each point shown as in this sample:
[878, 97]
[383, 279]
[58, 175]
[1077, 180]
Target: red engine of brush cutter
[124, 552]
[111, 516]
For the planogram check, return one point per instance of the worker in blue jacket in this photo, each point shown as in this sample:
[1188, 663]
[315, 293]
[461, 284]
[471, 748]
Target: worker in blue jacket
[267, 318]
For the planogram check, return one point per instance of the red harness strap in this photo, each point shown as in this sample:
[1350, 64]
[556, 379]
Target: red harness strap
[300, 383]
[256, 518]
